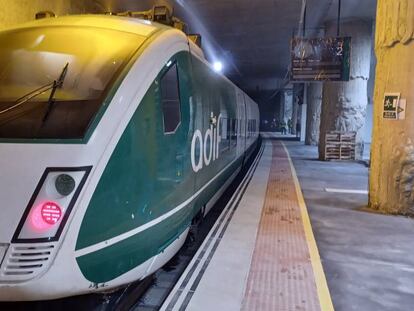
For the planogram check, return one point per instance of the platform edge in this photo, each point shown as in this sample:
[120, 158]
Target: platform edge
[324, 295]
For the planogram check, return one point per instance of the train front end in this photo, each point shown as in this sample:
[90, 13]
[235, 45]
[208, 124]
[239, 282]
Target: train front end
[39, 198]
[58, 82]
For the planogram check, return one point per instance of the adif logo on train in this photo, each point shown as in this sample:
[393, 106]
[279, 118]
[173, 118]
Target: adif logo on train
[207, 146]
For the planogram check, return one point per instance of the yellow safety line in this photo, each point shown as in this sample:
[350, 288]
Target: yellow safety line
[325, 299]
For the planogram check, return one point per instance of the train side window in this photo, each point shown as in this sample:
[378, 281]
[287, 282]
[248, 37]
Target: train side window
[233, 126]
[170, 100]
[248, 128]
[229, 131]
[224, 133]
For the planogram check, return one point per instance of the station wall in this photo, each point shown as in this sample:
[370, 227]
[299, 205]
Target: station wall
[20, 11]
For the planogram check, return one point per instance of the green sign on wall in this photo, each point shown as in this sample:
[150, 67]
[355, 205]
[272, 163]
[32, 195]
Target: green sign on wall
[391, 101]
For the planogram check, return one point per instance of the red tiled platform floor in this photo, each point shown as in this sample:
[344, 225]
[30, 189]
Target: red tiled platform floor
[281, 276]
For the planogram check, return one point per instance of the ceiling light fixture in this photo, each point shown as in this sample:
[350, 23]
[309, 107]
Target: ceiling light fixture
[218, 66]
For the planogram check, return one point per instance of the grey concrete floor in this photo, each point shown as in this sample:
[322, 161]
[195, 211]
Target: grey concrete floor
[368, 258]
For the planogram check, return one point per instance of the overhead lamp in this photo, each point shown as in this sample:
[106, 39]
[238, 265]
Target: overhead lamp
[218, 66]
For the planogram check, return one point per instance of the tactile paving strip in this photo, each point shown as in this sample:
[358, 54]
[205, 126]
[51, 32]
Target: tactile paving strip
[281, 275]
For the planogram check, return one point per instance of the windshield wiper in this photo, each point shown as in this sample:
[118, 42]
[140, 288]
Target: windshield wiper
[57, 84]
[39, 91]
[24, 99]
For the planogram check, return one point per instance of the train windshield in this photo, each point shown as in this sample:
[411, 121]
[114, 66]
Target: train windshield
[31, 60]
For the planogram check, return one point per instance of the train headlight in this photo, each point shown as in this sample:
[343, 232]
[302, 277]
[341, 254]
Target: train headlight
[65, 184]
[51, 204]
[51, 213]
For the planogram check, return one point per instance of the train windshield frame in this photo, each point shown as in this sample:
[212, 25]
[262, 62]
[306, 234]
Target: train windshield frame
[33, 58]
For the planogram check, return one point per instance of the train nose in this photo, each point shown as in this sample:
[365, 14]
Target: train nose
[22, 255]
[33, 221]
[44, 216]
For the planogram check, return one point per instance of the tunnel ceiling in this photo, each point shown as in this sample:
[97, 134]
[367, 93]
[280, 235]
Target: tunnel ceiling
[252, 37]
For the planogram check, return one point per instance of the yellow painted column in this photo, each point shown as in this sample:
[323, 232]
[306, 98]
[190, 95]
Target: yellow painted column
[392, 155]
[20, 11]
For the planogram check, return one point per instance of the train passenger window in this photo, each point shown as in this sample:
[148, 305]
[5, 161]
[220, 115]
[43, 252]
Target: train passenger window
[233, 132]
[170, 100]
[248, 128]
[229, 131]
[224, 132]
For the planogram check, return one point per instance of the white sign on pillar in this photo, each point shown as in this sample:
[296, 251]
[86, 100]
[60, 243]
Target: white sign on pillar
[401, 109]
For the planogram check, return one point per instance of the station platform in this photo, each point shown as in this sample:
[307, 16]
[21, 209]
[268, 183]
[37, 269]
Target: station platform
[261, 253]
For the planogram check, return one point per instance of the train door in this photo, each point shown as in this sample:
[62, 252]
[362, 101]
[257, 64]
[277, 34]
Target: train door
[241, 116]
[244, 123]
[208, 110]
[204, 121]
[248, 123]
[173, 161]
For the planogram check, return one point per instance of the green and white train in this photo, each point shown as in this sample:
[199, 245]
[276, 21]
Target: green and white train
[115, 133]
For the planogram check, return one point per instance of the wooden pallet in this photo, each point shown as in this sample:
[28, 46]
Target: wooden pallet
[340, 146]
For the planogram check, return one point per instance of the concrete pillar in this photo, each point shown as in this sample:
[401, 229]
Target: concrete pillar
[313, 118]
[297, 103]
[344, 103]
[295, 112]
[281, 107]
[392, 154]
[288, 105]
[303, 115]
